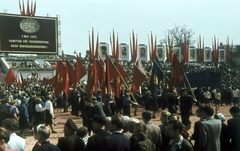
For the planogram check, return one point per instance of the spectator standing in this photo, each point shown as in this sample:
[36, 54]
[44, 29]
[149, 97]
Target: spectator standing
[49, 113]
[209, 131]
[4, 137]
[117, 140]
[15, 142]
[23, 118]
[177, 143]
[233, 125]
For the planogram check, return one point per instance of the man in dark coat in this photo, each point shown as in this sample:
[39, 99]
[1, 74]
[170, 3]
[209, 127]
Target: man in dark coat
[71, 142]
[94, 141]
[233, 125]
[117, 141]
[186, 102]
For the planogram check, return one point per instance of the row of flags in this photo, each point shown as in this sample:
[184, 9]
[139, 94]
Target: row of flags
[10, 78]
[107, 74]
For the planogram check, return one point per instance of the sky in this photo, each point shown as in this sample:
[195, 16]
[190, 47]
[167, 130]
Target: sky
[78, 17]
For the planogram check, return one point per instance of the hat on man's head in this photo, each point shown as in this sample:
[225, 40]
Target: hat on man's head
[99, 119]
[220, 116]
[70, 124]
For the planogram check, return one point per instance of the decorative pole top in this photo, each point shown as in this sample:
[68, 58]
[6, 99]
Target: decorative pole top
[30, 10]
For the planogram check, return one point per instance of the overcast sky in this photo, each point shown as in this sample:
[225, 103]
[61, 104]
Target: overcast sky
[205, 17]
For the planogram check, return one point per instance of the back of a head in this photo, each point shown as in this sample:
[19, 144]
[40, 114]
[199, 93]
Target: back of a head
[43, 133]
[140, 130]
[4, 135]
[10, 124]
[234, 110]
[82, 132]
[208, 109]
[118, 121]
[146, 115]
[130, 124]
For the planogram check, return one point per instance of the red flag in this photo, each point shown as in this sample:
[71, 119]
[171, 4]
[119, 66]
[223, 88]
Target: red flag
[96, 52]
[66, 85]
[95, 76]
[19, 80]
[49, 81]
[80, 71]
[71, 72]
[111, 73]
[10, 77]
[117, 83]
[137, 79]
[60, 78]
[90, 79]
[177, 72]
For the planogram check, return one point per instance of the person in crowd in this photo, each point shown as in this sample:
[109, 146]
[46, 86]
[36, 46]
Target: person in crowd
[13, 110]
[99, 96]
[233, 125]
[107, 125]
[94, 141]
[163, 127]
[39, 116]
[125, 129]
[142, 143]
[172, 101]
[87, 114]
[4, 109]
[217, 100]
[207, 96]
[235, 96]
[76, 98]
[82, 132]
[117, 140]
[106, 106]
[70, 141]
[177, 142]
[225, 136]
[209, 131]
[42, 134]
[126, 104]
[154, 133]
[15, 142]
[23, 118]
[49, 112]
[195, 135]
[186, 102]
[5, 137]
[98, 107]
[60, 102]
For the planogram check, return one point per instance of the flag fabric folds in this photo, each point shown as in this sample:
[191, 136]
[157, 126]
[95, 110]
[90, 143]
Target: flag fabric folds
[156, 77]
[138, 79]
[61, 74]
[80, 71]
[19, 80]
[71, 72]
[177, 72]
[49, 81]
[111, 73]
[10, 77]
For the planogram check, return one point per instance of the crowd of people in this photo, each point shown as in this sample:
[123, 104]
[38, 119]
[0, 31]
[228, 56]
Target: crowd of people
[107, 122]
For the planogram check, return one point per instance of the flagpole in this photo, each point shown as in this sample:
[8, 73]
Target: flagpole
[122, 79]
[161, 70]
[189, 85]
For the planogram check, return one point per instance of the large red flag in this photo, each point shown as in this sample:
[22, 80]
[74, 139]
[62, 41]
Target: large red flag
[137, 79]
[71, 72]
[19, 80]
[177, 72]
[111, 73]
[90, 79]
[10, 77]
[49, 81]
[80, 71]
[66, 85]
[60, 79]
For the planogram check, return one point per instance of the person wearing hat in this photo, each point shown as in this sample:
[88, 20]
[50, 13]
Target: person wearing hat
[94, 141]
[225, 136]
[15, 141]
[87, 114]
[71, 142]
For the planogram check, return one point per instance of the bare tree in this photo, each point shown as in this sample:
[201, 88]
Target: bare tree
[177, 35]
